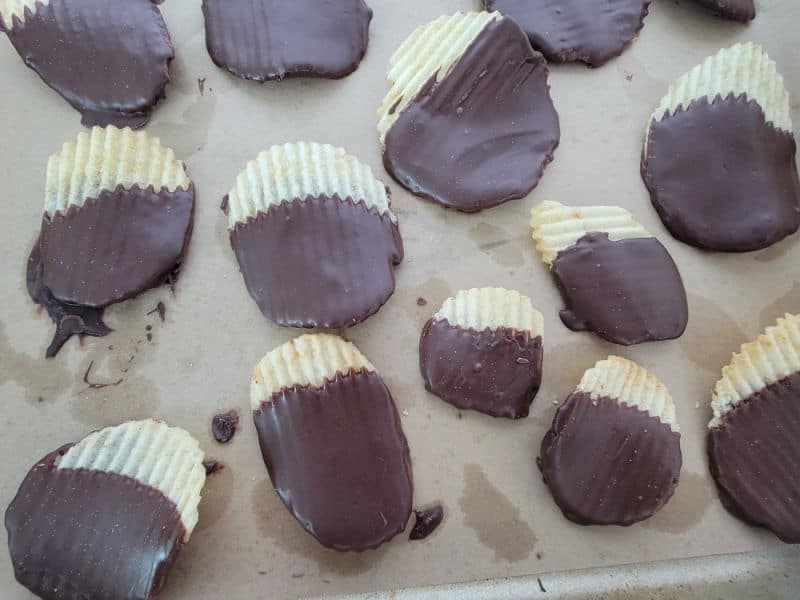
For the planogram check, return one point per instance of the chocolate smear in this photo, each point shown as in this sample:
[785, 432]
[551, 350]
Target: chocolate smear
[321, 262]
[426, 522]
[608, 463]
[338, 459]
[627, 291]
[267, 40]
[97, 386]
[494, 371]
[160, 309]
[721, 177]
[224, 425]
[754, 457]
[483, 134]
[589, 31]
[109, 60]
[78, 533]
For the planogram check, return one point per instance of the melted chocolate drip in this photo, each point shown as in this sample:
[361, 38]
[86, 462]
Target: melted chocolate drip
[76, 533]
[223, 426]
[483, 134]
[319, 262]
[109, 60]
[754, 456]
[590, 31]
[627, 291]
[496, 372]
[427, 521]
[273, 39]
[737, 10]
[608, 463]
[339, 460]
[721, 178]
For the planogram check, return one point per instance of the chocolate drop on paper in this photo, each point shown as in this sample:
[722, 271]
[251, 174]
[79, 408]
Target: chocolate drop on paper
[754, 457]
[320, 262]
[426, 522]
[627, 291]
[608, 463]
[108, 58]
[721, 177]
[78, 533]
[273, 39]
[339, 460]
[589, 31]
[223, 426]
[483, 134]
[496, 372]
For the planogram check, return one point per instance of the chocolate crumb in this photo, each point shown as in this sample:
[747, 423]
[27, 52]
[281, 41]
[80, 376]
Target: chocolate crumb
[539, 556]
[460, 416]
[97, 386]
[148, 328]
[628, 76]
[201, 83]
[160, 309]
[224, 206]
[541, 586]
[149, 337]
[421, 301]
[212, 467]
[224, 425]
[427, 520]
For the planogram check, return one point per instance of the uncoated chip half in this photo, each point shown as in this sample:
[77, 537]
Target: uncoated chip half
[615, 278]
[468, 121]
[332, 442]
[483, 351]
[108, 58]
[612, 455]
[117, 221]
[314, 235]
[719, 154]
[754, 435]
[107, 517]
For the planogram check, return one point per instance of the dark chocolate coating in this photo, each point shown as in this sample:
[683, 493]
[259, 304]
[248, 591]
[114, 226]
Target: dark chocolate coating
[426, 522]
[754, 456]
[627, 291]
[589, 31]
[494, 371]
[737, 10]
[80, 534]
[108, 58]
[319, 262]
[274, 39]
[608, 463]
[483, 134]
[339, 460]
[721, 178]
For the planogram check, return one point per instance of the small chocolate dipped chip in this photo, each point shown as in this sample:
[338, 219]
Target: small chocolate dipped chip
[314, 235]
[754, 435]
[736, 10]
[613, 455]
[616, 279]
[468, 122]
[108, 234]
[107, 517]
[265, 40]
[332, 441]
[589, 31]
[719, 156]
[108, 58]
[483, 351]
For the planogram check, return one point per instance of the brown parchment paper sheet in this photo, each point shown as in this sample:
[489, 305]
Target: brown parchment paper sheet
[500, 520]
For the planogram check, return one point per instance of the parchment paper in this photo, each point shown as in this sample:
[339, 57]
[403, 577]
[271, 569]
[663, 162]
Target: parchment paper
[500, 520]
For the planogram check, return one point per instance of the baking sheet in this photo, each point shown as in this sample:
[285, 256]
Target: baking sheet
[500, 520]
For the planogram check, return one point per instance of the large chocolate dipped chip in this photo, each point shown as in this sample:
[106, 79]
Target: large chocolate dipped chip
[737, 10]
[108, 58]
[265, 40]
[589, 31]
[754, 438]
[325, 259]
[480, 127]
[481, 364]
[107, 236]
[719, 155]
[335, 452]
[608, 461]
[83, 532]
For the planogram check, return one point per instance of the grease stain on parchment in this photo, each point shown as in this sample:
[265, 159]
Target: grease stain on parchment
[788, 303]
[686, 508]
[712, 334]
[276, 523]
[502, 247]
[494, 518]
[217, 493]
